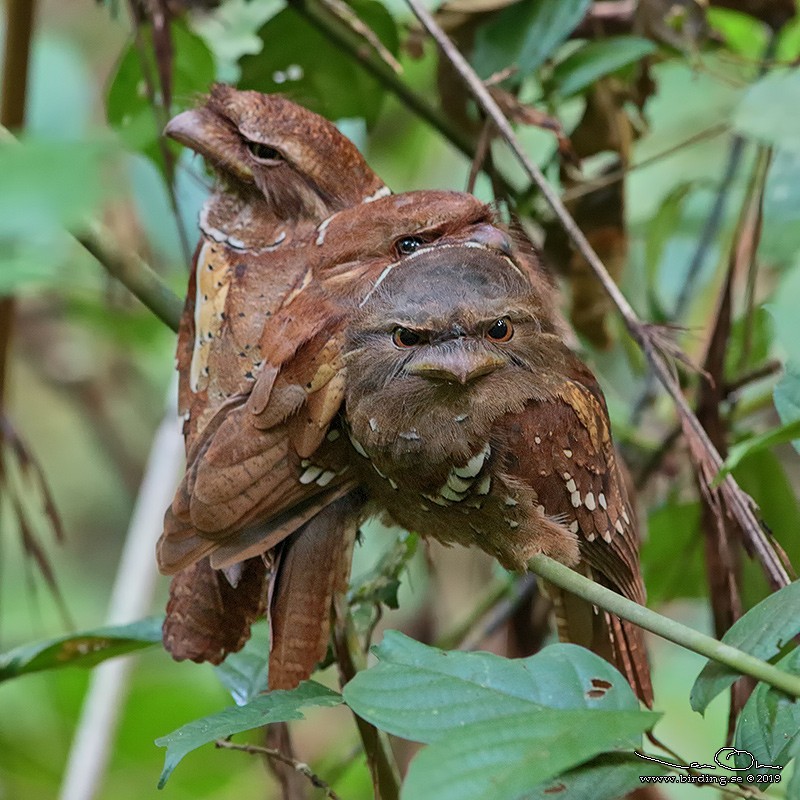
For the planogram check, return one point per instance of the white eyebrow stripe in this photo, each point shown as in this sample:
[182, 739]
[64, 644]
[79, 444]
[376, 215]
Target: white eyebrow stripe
[377, 283]
[384, 191]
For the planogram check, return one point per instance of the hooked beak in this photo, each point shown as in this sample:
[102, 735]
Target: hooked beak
[458, 365]
[199, 129]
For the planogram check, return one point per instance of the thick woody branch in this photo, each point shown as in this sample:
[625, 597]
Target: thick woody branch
[706, 455]
[666, 628]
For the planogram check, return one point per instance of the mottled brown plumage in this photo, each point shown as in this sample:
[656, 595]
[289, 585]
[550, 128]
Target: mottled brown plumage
[476, 425]
[280, 171]
[262, 382]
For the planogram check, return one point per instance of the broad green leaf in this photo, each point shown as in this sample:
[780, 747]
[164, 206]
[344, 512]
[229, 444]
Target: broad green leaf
[672, 554]
[509, 756]
[595, 60]
[742, 33]
[768, 728]
[424, 694]
[128, 108]
[84, 649]
[764, 478]
[763, 632]
[607, 777]
[767, 111]
[764, 441]
[525, 35]
[277, 706]
[49, 185]
[787, 398]
[244, 674]
[301, 63]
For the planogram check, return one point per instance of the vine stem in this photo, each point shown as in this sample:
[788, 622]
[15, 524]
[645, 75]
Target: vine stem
[662, 626]
[706, 457]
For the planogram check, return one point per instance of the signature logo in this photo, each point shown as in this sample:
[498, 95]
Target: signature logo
[723, 754]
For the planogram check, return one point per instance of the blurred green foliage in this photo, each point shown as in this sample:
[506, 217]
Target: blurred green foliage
[90, 369]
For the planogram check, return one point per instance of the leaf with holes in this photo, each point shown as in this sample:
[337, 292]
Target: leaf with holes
[277, 706]
[425, 694]
[509, 756]
[607, 777]
[763, 632]
[85, 649]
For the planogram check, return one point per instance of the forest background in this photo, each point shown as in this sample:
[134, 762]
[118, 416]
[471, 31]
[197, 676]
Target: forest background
[671, 132]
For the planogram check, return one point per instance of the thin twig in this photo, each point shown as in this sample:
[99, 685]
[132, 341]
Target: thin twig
[497, 592]
[349, 17]
[302, 768]
[706, 456]
[662, 626]
[501, 613]
[351, 659]
[349, 42]
[766, 370]
[601, 181]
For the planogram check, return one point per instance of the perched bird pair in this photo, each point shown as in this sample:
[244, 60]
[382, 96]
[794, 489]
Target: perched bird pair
[344, 350]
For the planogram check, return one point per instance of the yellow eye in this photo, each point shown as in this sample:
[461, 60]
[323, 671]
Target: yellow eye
[403, 337]
[501, 330]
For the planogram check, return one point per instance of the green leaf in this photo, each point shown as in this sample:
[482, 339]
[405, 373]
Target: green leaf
[764, 441]
[277, 706]
[509, 756]
[84, 649]
[244, 674]
[128, 108]
[382, 582]
[742, 33]
[787, 398]
[301, 63]
[763, 632]
[525, 35]
[767, 111]
[607, 777]
[50, 185]
[424, 694]
[672, 554]
[769, 726]
[597, 59]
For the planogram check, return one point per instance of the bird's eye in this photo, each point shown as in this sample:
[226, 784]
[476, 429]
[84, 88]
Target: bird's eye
[403, 337]
[263, 152]
[408, 244]
[501, 330]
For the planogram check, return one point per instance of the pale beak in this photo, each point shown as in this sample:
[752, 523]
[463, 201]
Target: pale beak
[457, 365]
[199, 129]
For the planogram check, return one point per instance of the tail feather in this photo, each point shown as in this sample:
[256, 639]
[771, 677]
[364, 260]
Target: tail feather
[207, 617]
[314, 565]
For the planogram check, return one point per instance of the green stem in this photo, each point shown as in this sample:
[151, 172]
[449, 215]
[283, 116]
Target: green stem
[666, 628]
[134, 273]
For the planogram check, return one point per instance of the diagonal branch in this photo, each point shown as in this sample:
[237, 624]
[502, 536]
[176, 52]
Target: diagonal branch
[707, 458]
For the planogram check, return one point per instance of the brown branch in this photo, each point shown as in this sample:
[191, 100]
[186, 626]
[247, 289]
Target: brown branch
[302, 768]
[350, 659]
[707, 458]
